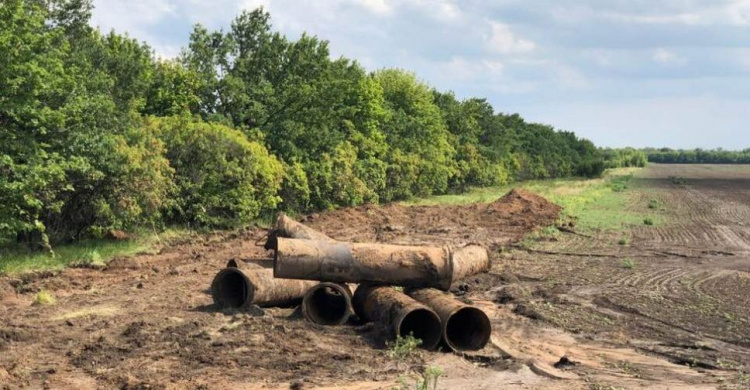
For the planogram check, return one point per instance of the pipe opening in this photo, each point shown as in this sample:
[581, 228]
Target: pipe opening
[468, 329]
[327, 305]
[423, 324]
[231, 288]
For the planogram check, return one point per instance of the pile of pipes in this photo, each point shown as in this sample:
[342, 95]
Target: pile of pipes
[321, 272]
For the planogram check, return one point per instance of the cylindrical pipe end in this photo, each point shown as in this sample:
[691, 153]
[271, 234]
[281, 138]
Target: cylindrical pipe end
[327, 304]
[232, 288]
[421, 323]
[468, 329]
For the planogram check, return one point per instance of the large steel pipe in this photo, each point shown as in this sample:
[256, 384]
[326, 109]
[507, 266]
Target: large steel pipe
[239, 288]
[342, 262]
[402, 315]
[289, 228]
[328, 304]
[464, 327]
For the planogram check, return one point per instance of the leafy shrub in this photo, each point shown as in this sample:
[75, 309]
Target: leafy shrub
[333, 180]
[403, 346]
[295, 191]
[221, 177]
[648, 221]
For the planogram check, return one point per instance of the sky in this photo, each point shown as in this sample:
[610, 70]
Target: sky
[672, 73]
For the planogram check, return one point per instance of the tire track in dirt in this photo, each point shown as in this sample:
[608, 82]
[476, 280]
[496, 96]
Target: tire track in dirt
[686, 296]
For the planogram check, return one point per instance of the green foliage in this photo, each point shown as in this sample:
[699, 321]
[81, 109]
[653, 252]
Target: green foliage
[428, 380]
[654, 204]
[624, 240]
[403, 347]
[698, 156]
[44, 298]
[222, 178]
[418, 137]
[624, 158]
[620, 183]
[628, 263]
[648, 221]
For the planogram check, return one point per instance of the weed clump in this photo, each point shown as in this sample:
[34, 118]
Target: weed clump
[653, 204]
[403, 347]
[628, 263]
[428, 381]
[620, 183]
[648, 221]
[43, 298]
[680, 181]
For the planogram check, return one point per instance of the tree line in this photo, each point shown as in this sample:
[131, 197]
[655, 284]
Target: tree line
[97, 133]
[698, 156]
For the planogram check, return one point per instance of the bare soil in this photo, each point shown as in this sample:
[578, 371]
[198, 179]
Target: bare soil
[680, 318]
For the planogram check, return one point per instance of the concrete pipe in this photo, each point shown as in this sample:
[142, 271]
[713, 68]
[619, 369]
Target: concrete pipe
[289, 228]
[328, 304]
[412, 266]
[464, 327]
[400, 314]
[239, 288]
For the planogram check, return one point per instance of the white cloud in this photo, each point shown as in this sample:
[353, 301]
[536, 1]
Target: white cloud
[461, 68]
[667, 57]
[376, 6]
[502, 40]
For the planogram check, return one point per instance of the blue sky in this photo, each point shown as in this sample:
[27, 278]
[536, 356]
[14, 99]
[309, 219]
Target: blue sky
[640, 73]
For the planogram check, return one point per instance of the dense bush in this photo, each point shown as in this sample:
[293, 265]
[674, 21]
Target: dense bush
[623, 158]
[221, 177]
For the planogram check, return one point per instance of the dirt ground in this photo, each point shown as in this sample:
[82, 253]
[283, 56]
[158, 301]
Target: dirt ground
[678, 319]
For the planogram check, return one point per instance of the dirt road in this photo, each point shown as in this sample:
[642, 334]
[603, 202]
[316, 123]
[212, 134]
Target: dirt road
[678, 318]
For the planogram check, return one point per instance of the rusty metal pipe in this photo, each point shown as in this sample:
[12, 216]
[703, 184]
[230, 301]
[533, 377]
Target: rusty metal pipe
[328, 304]
[342, 262]
[400, 314]
[289, 228]
[464, 327]
[239, 288]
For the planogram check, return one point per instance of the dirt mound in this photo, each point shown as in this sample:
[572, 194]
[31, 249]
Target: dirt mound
[501, 222]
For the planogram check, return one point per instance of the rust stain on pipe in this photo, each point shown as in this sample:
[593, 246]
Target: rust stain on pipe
[328, 304]
[401, 314]
[289, 228]
[342, 262]
[464, 327]
[239, 288]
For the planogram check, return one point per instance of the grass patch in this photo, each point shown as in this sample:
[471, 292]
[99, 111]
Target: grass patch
[595, 204]
[43, 298]
[90, 253]
[624, 240]
[648, 221]
[654, 204]
[628, 263]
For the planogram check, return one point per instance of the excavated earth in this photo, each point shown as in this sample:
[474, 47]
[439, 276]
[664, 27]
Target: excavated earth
[565, 313]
